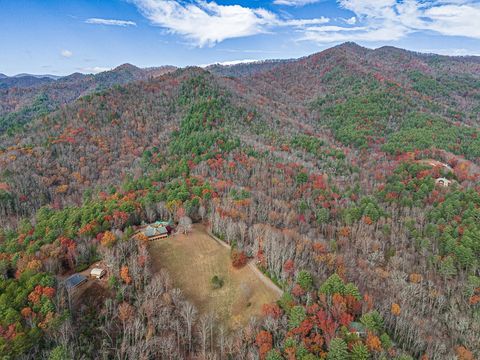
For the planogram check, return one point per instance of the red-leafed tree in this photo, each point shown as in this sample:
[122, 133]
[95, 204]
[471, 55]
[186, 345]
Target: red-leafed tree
[264, 342]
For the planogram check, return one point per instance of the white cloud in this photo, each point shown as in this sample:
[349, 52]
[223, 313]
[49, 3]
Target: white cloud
[389, 20]
[304, 22]
[295, 2]
[451, 52]
[351, 21]
[111, 22]
[66, 53]
[454, 20]
[206, 23]
[232, 62]
[94, 69]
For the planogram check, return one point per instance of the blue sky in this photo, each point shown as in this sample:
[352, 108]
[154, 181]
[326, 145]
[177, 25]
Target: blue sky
[65, 36]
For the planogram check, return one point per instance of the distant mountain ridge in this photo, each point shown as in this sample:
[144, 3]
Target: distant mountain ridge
[22, 98]
[246, 68]
[301, 79]
[23, 81]
[54, 77]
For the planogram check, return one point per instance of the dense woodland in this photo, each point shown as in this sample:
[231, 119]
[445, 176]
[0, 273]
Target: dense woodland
[321, 170]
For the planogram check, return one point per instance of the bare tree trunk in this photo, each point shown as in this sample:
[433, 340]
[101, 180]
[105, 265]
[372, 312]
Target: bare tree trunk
[188, 313]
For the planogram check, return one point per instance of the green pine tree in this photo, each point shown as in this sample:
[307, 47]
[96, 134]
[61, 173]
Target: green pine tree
[338, 350]
[360, 352]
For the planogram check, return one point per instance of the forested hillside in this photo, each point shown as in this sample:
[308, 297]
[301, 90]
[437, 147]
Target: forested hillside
[27, 97]
[325, 171]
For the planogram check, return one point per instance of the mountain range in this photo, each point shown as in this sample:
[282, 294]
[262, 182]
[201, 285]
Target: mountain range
[350, 163]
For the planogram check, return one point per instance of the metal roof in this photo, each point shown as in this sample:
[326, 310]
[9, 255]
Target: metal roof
[155, 230]
[75, 280]
[149, 231]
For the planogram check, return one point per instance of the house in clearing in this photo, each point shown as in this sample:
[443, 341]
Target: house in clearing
[74, 281]
[443, 182]
[157, 230]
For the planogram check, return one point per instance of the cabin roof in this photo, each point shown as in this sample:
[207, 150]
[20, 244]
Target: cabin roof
[161, 223]
[155, 230]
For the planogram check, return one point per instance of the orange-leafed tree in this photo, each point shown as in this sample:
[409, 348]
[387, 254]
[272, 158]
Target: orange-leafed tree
[26, 312]
[272, 310]
[264, 341]
[125, 275]
[344, 231]
[395, 309]
[49, 292]
[108, 239]
[373, 342]
[463, 353]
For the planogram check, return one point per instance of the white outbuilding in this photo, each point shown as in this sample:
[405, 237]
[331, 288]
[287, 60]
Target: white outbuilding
[97, 273]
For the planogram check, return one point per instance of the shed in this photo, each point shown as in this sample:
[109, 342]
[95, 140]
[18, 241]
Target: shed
[97, 273]
[75, 281]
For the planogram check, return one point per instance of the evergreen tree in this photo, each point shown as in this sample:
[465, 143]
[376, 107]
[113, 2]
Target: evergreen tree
[305, 280]
[334, 284]
[338, 350]
[297, 315]
[273, 355]
[360, 352]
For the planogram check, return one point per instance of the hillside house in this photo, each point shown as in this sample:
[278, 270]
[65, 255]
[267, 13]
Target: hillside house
[443, 182]
[157, 230]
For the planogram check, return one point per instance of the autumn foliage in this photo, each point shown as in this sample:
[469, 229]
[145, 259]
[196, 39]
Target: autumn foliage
[125, 275]
[395, 309]
[463, 353]
[373, 342]
[264, 342]
[239, 259]
[108, 239]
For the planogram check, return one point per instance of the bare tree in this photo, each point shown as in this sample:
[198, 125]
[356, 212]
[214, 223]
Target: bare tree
[185, 224]
[222, 335]
[188, 313]
[203, 331]
[202, 212]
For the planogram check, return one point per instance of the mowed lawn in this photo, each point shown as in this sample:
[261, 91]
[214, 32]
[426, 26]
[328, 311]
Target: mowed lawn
[193, 259]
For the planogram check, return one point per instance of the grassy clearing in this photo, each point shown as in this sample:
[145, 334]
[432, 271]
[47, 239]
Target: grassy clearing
[192, 260]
